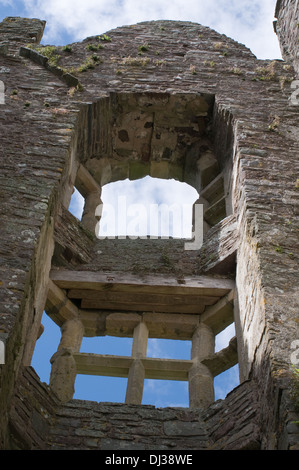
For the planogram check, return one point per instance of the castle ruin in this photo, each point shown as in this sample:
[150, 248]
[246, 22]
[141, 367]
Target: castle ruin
[172, 100]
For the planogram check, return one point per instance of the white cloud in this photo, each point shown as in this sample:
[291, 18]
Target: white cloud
[225, 382]
[165, 393]
[223, 338]
[149, 206]
[247, 21]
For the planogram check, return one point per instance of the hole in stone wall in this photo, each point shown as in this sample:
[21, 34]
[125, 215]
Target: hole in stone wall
[165, 393]
[168, 349]
[223, 338]
[45, 347]
[76, 205]
[107, 345]
[228, 380]
[147, 207]
[100, 389]
[103, 388]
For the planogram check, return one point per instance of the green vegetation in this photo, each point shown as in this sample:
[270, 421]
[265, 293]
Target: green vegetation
[143, 48]
[266, 73]
[87, 65]
[139, 61]
[67, 49]
[51, 52]
[209, 63]
[105, 38]
[193, 69]
[94, 47]
[274, 124]
[236, 71]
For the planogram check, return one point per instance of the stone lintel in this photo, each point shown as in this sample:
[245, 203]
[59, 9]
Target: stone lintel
[58, 306]
[85, 183]
[224, 359]
[119, 366]
[220, 315]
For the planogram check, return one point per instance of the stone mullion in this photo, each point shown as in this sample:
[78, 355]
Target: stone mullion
[137, 372]
[201, 380]
[90, 217]
[64, 371]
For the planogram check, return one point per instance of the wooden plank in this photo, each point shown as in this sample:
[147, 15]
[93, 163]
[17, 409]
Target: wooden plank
[203, 285]
[142, 307]
[137, 297]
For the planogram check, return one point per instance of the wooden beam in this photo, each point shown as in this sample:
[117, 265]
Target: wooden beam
[137, 297]
[142, 307]
[126, 282]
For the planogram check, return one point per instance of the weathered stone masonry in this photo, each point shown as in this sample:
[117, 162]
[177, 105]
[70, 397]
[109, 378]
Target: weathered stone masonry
[170, 100]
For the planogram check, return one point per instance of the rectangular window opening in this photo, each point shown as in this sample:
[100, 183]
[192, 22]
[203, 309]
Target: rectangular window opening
[76, 205]
[110, 345]
[165, 393]
[226, 382]
[100, 388]
[169, 349]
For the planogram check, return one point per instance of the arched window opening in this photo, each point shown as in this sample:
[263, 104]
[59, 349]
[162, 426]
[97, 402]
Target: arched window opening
[123, 177]
[147, 207]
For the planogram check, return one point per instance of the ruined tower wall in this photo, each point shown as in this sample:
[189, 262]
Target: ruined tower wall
[286, 27]
[59, 126]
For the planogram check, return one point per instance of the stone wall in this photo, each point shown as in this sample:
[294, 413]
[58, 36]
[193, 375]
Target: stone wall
[56, 117]
[38, 421]
[286, 27]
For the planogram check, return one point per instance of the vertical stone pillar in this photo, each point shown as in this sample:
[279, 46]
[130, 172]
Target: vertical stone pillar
[63, 372]
[90, 218]
[201, 386]
[136, 372]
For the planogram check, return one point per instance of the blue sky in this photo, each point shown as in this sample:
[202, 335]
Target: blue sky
[248, 22]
